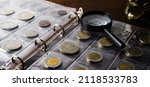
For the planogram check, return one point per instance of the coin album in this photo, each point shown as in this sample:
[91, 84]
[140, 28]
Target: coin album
[42, 35]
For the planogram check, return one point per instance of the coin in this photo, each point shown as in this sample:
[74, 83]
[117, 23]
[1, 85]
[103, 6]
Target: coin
[62, 12]
[79, 68]
[105, 42]
[25, 16]
[44, 23]
[145, 39]
[7, 11]
[69, 48]
[8, 25]
[31, 33]
[12, 45]
[134, 51]
[125, 66]
[83, 35]
[94, 57]
[53, 62]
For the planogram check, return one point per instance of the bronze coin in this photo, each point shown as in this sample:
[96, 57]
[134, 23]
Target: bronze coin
[94, 57]
[125, 66]
[44, 23]
[62, 12]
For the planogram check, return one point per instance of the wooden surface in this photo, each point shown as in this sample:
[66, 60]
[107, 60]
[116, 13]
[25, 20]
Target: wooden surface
[115, 7]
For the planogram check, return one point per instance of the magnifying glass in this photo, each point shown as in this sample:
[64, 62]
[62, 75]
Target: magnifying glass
[100, 21]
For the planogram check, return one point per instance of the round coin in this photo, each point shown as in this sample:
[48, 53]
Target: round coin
[62, 12]
[7, 11]
[125, 66]
[8, 25]
[53, 62]
[134, 52]
[79, 68]
[83, 35]
[69, 48]
[31, 33]
[145, 39]
[105, 42]
[44, 23]
[12, 45]
[25, 16]
[94, 57]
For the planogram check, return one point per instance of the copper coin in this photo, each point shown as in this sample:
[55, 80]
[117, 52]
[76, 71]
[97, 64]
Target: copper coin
[62, 12]
[44, 23]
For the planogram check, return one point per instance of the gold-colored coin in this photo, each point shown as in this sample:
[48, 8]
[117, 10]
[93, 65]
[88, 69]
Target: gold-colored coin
[94, 57]
[83, 35]
[145, 39]
[79, 68]
[105, 42]
[126, 66]
[134, 52]
[12, 45]
[69, 48]
[53, 62]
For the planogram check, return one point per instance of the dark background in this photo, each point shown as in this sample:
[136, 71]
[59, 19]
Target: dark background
[115, 7]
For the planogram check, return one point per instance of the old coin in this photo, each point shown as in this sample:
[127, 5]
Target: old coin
[126, 66]
[94, 57]
[44, 23]
[105, 42]
[8, 25]
[25, 16]
[62, 12]
[12, 45]
[69, 48]
[7, 11]
[31, 33]
[53, 62]
[145, 39]
[79, 68]
[134, 51]
[83, 35]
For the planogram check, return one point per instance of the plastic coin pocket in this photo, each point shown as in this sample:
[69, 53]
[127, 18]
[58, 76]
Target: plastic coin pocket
[121, 30]
[74, 36]
[60, 64]
[4, 57]
[13, 44]
[102, 64]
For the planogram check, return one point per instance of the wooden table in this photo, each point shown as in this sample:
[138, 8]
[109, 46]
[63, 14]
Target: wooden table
[115, 7]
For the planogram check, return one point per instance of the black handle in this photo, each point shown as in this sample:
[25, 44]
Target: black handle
[115, 39]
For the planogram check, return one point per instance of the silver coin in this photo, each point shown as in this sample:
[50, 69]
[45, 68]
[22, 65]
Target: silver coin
[8, 25]
[7, 11]
[25, 16]
[31, 33]
[69, 48]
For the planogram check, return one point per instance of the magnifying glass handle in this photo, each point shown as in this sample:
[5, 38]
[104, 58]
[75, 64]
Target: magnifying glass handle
[115, 39]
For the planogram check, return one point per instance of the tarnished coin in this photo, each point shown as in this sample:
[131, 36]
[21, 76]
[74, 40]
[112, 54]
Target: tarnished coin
[126, 66]
[25, 16]
[8, 25]
[94, 57]
[83, 35]
[79, 68]
[105, 42]
[53, 62]
[62, 12]
[31, 33]
[12, 45]
[7, 11]
[44, 23]
[145, 39]
[134, 51]
[69, 48]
